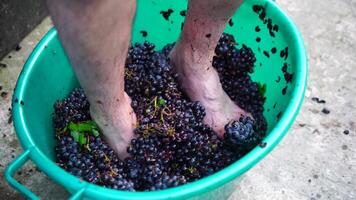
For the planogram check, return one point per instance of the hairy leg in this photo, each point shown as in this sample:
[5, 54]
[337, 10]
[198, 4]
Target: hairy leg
[96, 36]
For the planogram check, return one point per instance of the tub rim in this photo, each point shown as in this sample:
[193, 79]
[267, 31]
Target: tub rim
[203, 185]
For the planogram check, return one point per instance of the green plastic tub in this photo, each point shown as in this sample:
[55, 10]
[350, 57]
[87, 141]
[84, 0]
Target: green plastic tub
[48, 76]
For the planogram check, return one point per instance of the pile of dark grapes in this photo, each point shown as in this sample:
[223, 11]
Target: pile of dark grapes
[173, 146]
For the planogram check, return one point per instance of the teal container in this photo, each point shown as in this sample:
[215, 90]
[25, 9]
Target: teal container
[47, 76]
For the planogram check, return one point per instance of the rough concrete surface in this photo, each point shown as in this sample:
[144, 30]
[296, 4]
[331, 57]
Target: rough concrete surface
[316, 160]
[18, 18]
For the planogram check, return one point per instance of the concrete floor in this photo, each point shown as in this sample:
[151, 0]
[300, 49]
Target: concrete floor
[316, 160]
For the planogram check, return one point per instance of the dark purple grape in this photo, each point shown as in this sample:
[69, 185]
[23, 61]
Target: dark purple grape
[173, 145]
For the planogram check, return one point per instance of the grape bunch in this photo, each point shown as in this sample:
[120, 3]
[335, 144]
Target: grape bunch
[173, 145]
[74, 108]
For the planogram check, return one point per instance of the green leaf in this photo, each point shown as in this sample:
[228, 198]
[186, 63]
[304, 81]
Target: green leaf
[161, 102]
[78, 130]
[93, 124]
[80, 127]
[262, 88]
[95, 132]
[75, 135]
[82, 139]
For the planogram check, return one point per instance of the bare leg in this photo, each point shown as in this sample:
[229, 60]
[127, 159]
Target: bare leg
[192, 58]
[96, 36]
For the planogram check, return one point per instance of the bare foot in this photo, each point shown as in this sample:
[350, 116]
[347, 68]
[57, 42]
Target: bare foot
[118, 122]
[201, 83]
[192, 60]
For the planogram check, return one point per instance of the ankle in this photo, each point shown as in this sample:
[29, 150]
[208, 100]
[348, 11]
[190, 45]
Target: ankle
[109, 110]
[192, 63]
